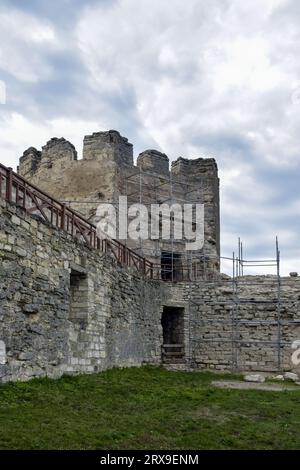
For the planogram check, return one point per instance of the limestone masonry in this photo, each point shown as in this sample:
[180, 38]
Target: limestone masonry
[68, 308]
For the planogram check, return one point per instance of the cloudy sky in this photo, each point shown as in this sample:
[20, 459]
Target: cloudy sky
[191, 78]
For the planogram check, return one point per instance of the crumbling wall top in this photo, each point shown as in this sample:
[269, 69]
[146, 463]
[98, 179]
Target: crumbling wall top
[153, 161]
[195, 167]
[108, 146]
[29, 161]
[57, 148]
[111, 136]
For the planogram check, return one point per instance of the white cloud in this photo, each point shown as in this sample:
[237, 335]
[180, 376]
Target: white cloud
[20, 37]
[200, 65]
[18, 133]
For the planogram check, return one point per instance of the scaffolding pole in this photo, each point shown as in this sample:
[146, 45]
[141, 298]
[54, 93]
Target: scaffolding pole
[235, 322]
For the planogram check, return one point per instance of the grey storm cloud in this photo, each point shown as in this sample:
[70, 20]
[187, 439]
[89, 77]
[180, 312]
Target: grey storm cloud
[197, 78]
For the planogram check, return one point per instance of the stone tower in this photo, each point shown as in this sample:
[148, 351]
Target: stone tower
[107, 170]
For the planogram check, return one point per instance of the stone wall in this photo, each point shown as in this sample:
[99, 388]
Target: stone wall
[65, 308]
[240, 326]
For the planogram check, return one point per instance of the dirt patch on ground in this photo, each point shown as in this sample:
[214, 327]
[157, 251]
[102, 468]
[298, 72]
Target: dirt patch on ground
[238, 385]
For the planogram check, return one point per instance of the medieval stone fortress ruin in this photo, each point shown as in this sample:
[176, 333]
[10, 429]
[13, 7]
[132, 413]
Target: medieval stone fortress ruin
[71, 302]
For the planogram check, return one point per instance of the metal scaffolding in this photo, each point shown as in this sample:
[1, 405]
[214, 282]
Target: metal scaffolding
[235, 304]
[144, 187]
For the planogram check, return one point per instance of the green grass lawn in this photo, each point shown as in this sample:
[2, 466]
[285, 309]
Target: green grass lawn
[147, 408]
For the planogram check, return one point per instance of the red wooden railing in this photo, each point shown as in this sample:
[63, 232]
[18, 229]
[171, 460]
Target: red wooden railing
[15, 189]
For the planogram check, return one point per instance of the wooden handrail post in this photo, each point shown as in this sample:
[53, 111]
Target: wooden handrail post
[9, 182]
[62, 217]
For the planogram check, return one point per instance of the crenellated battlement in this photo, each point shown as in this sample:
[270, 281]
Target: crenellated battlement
[197, 167]
[108, 146]
[153, 161]
[29, 162]
[58, 149]
[54, 150]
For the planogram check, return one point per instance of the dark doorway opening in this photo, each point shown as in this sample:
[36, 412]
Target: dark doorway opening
[173, 334]
[171, 269]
